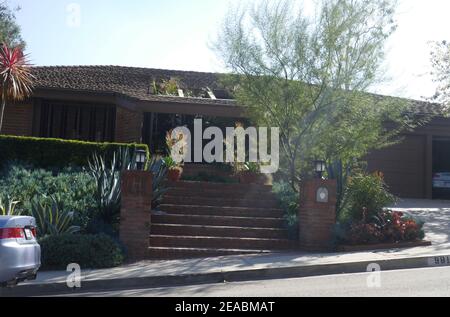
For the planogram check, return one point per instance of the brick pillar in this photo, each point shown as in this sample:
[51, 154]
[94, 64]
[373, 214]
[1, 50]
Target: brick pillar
[135, 212]
[317, 214]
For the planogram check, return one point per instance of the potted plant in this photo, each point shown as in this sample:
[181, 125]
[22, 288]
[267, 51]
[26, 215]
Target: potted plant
[249, 173]
[174, 170]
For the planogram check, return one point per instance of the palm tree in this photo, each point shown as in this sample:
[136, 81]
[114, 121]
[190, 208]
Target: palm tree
[16, 79]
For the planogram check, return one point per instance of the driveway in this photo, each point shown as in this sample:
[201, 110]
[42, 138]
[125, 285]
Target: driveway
[435, 214]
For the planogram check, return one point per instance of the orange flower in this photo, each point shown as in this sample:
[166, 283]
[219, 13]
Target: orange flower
[379, 174]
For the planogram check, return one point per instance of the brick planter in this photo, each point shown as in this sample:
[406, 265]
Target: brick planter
[370, 247]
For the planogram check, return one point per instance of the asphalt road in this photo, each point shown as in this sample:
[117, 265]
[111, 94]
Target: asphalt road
[419, 282]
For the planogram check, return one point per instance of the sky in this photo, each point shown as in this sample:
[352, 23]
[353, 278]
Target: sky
[175, 34]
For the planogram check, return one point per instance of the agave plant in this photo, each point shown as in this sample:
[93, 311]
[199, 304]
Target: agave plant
[16, 78]
[107, 176]
[108, 179]
[158, 168]
[8, 207]
[52, 218]
[124, 159]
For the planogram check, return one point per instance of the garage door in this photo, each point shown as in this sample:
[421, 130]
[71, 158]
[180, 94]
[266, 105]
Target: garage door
[403, 165]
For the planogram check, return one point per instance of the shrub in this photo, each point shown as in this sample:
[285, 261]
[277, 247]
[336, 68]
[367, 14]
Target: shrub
[75, 188]
[107, 176]
[413, 230]
[385, 227]
[56, 153]
[398, 226]
[364, 219]
[287, 196]
[364, 233]
[89, 251]
[289, 202]
[52, 218]
[159, 170]
[8, 207]
[365, 192]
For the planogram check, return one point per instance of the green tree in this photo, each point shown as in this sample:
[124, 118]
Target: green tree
[440, 61]
[15, 70]
[10, 32]
[308, 75]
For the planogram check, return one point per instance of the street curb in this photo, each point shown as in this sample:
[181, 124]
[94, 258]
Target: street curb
[221, 277]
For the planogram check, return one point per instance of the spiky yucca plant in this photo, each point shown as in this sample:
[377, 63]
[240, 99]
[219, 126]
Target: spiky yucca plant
[8, 207]
[16, 79]
[158, 168]
[52, 218]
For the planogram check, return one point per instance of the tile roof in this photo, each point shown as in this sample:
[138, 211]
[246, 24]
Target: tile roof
[130, 82]
[134, 82]
[428, 108]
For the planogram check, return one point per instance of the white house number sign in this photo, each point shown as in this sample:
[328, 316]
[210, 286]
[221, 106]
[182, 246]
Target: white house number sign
[322, 195]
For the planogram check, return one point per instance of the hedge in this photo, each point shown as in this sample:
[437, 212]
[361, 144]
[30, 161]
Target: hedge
[89, 251]
[56, 153]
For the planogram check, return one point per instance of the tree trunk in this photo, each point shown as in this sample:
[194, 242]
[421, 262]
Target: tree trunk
[2, 111]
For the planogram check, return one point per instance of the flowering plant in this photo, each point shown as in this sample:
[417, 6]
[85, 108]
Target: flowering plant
[180, 140]
[386, 226]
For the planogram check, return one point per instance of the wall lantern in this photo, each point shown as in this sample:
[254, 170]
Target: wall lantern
[141, 158]
[319, 168]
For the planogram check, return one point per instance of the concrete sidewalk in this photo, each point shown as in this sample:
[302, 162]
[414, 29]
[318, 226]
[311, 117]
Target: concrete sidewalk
[149, 274]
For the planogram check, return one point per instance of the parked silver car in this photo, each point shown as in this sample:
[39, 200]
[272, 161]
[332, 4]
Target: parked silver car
[20, 254]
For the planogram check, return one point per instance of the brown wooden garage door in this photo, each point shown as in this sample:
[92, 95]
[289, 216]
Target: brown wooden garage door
[403, 165]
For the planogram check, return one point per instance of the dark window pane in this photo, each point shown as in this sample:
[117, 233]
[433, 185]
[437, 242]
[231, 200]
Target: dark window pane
[75, 121]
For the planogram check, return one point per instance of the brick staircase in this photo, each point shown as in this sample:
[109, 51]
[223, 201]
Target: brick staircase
[201, 219]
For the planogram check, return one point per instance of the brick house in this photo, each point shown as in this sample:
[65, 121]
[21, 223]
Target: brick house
[111, 103]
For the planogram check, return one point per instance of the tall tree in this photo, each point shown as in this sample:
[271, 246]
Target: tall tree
[308, 74]
[15, 73]
[10, 32]
[440, 61]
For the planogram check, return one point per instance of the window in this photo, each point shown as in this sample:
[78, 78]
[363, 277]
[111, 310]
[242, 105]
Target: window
[87, 122]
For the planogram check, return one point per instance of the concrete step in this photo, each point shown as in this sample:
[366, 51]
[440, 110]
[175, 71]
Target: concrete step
[221, 211]
[218, 221]
[220, 242]
[221, 186]
[219, 201]
[218, 231]
[220, 194]
[162, 253]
